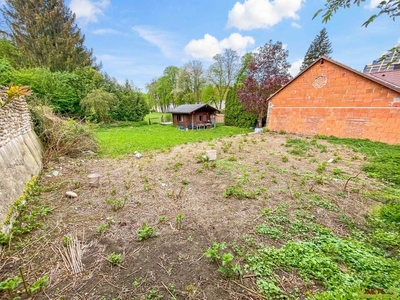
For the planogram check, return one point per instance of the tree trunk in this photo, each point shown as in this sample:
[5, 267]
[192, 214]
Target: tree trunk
[259, 121]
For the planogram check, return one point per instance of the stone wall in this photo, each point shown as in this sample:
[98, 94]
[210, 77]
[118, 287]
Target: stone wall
[331, 100]
[20, 152]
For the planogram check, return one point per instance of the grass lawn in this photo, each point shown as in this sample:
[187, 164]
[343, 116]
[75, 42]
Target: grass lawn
[124, 140]
[155, 117]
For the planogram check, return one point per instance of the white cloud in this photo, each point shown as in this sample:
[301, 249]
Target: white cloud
[253, 14]
[373, 4]
[295, 68]
[88, 11]
[207, 47]
[161, 39]
[104, 31]
[296, 25]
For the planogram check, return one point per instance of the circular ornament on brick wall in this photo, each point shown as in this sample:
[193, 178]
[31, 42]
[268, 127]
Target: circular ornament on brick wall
[319, 81]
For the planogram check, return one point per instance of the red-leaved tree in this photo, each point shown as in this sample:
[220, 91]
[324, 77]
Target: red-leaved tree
[266, 73]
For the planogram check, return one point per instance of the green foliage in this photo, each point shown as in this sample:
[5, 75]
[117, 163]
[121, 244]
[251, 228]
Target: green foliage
[321, 167]
[381, 167]
[321, 260]
[178, 220]
[30, 213]
[51, 88]
[225, 259]
[38, 284]
[98, 104]
[145, 232]
[389, 7]
[238, 192]
[6, 71]
[4, 238]
[384, 159]
[10, 285]
[272, 232]
[391, 212]
[299, 146]
[116, 204]
[131, 104]
[66, 241]
[102, 228]
[10, 53]
[115, 258]
[234, 112]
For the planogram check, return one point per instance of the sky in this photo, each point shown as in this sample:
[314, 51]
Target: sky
[137, 40]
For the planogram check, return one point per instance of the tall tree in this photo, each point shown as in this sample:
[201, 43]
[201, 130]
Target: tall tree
[266, 73]
[222, 73]
[194, 73]
[46, 33]
[131, 104]
[235, 115]
[320, 46]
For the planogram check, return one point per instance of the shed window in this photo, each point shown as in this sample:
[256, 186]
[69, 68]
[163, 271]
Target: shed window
[200, 118]
[180, 118]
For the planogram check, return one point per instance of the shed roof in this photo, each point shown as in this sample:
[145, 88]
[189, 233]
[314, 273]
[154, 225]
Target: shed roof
[389, 76]
[189, 108]
[378, 80]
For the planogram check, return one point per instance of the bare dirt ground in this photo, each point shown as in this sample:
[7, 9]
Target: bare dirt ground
[156, 189]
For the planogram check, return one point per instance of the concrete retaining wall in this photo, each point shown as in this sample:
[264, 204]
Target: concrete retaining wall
[20, 152]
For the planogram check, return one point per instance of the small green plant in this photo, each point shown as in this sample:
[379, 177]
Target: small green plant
[214, 251]
[337, 171]
[285, 158]
[272, 232]
[185, 181]
[38, 284]
[10, 285]
[178, 221]
[209, 164]
[103, 227]
[145, 232]
[163, 219]
[321, 168]
[116, 204]
[177, 166]
[113, 191]
[153, 294]
[225, 260]
[67, 241]
[4, 238]
[226, 146]
[232, 158]
[115, 259]
[127, 184]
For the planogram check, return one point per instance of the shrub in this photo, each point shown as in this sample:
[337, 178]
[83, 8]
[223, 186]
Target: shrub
[61, 137]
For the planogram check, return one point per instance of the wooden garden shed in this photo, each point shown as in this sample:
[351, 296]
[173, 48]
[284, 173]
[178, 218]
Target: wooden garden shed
[194, 116]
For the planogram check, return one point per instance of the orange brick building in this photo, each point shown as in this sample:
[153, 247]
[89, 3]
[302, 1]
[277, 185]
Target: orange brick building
[330, 98]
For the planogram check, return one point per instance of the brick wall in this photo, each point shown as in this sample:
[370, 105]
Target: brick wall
[331, 100]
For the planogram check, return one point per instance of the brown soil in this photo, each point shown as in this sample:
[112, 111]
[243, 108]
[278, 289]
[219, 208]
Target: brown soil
[168, 183]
